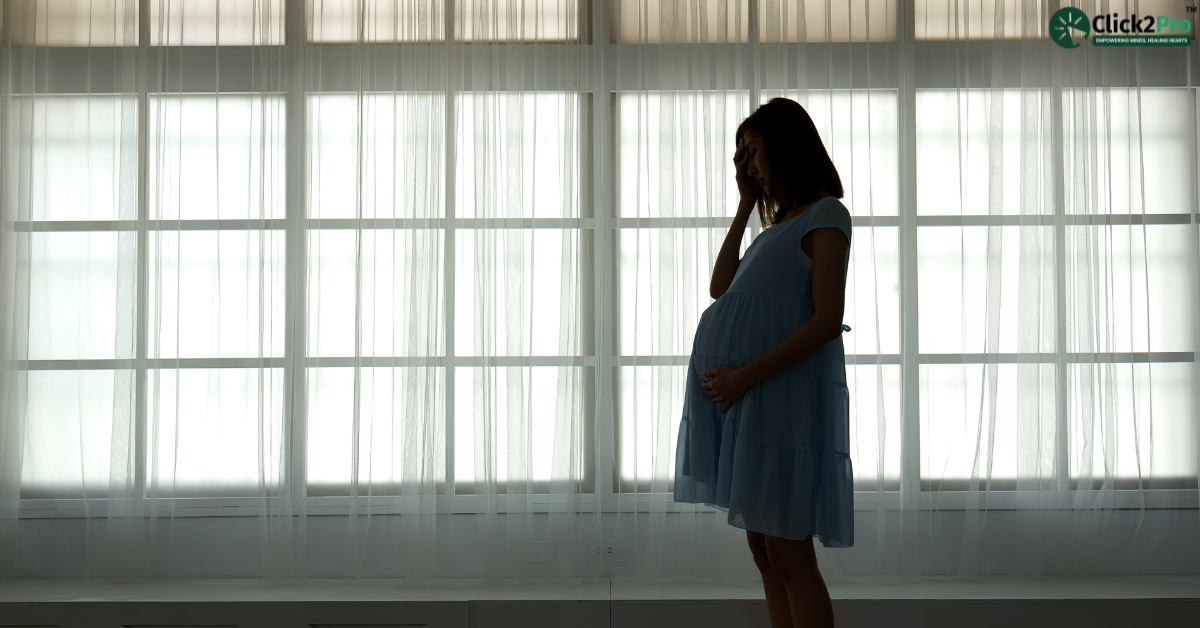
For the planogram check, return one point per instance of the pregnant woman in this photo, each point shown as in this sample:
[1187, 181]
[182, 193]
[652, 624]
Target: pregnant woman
[765, 425]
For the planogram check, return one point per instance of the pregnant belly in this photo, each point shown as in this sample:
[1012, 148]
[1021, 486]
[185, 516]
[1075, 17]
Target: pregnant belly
[740, 327]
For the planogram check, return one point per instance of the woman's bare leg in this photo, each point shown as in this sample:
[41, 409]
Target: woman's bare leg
[777, 595]
[795, 563]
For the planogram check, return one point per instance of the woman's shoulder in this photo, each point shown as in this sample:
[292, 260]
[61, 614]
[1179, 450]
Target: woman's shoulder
[828, 212]
[829, 207]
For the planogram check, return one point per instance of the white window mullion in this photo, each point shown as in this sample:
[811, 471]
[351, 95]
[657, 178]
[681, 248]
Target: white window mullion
[1195, 242]
[1062, 467]
[755, 82]
[755, 57]
[141, 397]
[605, 293]
[910, 374]
[605, 62]
[448, 246]
[295, 423]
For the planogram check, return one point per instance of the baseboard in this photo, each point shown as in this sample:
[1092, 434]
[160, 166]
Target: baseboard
[930, 613]
[927, 602]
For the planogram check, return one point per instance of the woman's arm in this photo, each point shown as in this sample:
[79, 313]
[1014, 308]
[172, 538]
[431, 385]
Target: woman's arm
[829, 300]
[727, 260]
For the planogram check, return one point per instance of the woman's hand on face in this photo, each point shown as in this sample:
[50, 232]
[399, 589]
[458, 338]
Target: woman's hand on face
[725, 388]
[747, 185]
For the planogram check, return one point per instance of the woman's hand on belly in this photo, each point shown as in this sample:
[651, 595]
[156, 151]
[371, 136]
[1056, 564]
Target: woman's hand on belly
[726, 386]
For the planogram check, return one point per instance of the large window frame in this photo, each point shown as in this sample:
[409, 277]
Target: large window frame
[924, 65]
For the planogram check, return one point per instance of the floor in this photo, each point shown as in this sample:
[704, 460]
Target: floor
[1030, 602]
[384, 589]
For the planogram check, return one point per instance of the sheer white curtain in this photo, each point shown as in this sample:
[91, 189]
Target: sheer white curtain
[407, 287]
[313, 267]
[1023, 283]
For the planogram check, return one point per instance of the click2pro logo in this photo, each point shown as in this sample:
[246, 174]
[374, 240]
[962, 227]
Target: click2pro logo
[1069, 26]
[1066, 20]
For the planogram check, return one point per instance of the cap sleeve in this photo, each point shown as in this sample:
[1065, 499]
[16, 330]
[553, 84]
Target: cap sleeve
[829, 212]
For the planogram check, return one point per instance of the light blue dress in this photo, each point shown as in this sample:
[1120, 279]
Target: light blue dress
[778, 461]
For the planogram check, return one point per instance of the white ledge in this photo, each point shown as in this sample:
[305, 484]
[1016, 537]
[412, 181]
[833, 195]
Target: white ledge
[610, 589]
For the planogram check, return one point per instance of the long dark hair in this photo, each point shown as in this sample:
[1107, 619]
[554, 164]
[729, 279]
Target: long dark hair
[800, 165]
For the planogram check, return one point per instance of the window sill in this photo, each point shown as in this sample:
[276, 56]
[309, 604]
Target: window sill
[622, 503]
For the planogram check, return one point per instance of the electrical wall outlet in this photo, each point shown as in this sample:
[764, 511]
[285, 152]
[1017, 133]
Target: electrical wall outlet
[608, 551]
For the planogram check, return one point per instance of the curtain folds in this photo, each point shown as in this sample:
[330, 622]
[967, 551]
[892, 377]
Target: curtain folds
[407, 288]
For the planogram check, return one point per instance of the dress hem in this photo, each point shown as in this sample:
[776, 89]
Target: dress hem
[827, 540]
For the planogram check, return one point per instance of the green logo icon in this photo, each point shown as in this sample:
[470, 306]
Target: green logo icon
[1063, 21]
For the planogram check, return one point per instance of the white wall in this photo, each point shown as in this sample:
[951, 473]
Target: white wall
[1163, 541]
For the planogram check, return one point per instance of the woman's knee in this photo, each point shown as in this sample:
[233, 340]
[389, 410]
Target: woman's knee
[791, 559]
[758, 548]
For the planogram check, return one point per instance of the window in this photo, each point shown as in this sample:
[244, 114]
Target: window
[671, 22]
[988, 19]
[728, 21]
[73, 23]
[989, 240]
[82, 296]
[72, 416]
[191, 23]
[100, 23]
[520, 261]
[384, 21]
[788, 21]
[226, 267]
